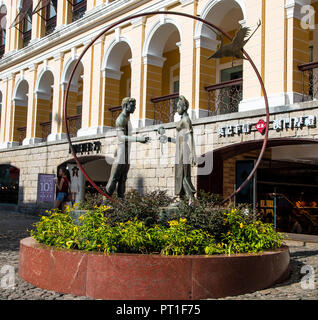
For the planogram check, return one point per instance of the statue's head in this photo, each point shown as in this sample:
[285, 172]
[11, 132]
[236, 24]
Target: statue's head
[129, 104]
[182, 105]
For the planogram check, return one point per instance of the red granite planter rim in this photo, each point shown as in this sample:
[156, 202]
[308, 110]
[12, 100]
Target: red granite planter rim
[36, 244]
[123, 276]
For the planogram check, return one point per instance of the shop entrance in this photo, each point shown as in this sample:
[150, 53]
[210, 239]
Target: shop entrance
[284, 190]
[9, 184]
[287, 189]
[96, 167]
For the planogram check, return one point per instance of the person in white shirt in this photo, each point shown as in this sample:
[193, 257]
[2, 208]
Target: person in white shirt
[75, 184]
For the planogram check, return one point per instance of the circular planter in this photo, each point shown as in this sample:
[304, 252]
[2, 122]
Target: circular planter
[150, 277]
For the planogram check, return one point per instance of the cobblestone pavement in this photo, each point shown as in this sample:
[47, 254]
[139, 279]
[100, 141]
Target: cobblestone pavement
[13, 228]
[291, 289]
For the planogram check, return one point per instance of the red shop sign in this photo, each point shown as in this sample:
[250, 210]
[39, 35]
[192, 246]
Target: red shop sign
[261, 126]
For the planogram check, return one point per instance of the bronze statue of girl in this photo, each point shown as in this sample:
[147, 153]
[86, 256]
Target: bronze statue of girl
[185, 151]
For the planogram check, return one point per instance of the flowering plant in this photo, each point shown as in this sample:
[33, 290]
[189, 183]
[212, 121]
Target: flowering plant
[98, 232]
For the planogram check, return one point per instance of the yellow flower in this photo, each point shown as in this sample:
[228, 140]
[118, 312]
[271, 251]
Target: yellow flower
[165, 237]
[263, 230]
[241, 225]
[183, 220]
[228, 232]
[75, 229]
[173, 223]
[81, 217]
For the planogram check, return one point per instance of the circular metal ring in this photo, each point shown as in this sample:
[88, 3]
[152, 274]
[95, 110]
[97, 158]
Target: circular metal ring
[175, 14]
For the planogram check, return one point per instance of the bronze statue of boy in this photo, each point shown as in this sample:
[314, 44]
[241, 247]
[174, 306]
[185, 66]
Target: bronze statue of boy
[120, 166]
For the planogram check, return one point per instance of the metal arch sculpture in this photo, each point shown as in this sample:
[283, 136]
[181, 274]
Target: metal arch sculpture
[175, 14]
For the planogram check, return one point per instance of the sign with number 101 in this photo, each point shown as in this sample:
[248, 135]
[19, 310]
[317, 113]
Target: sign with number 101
[46, 187]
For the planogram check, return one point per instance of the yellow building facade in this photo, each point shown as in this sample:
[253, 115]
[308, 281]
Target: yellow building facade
[155, 59]
[147, 58]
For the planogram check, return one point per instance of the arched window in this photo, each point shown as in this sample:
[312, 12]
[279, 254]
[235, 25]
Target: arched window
[3, 28]
[78, 9]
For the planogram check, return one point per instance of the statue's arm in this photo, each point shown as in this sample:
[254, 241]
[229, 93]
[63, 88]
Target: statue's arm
[124, 138]
[192, 144]
[172, 140]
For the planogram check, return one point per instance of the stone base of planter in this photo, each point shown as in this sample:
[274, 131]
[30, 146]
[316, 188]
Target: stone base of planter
[150, 277]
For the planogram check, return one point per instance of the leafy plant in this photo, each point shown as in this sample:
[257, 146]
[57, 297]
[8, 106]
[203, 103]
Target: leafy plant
[207, 229]
[91, 202]
[134, 205]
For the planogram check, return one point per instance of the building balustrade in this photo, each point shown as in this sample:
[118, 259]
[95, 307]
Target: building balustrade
[224, 97]
[74, 124]
[164, 108]
[21, 135]
[115, 111]
[309, 81]
[45, 129]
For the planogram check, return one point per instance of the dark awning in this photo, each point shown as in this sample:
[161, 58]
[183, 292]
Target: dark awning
[27, 5]
[43, 4]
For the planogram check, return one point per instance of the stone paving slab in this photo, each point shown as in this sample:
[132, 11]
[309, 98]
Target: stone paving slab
[13, 228]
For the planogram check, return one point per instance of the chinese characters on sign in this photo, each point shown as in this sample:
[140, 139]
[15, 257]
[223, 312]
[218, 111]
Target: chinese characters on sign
[237, 129]
[46, 187]
[278, 125]
[296, 122]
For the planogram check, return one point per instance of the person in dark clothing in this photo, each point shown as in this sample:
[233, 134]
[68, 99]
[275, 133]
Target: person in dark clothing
[63, 186]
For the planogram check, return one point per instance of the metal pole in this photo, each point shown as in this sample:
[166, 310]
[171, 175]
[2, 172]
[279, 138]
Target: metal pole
[275, 212]
[254, 190]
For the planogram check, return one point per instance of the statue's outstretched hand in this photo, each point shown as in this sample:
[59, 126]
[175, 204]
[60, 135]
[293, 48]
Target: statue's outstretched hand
[142, 139]
[163, 139]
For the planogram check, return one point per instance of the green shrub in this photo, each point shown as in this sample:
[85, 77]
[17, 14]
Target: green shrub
[205, 230]
[143, 207]
[91, 202]
[248, 236]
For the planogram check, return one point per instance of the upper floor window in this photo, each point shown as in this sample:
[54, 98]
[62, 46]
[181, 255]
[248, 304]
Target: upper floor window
[27, 27]
[51, 12]
[78, 9]
[47, 9]
[3, 27]
[23, 21]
